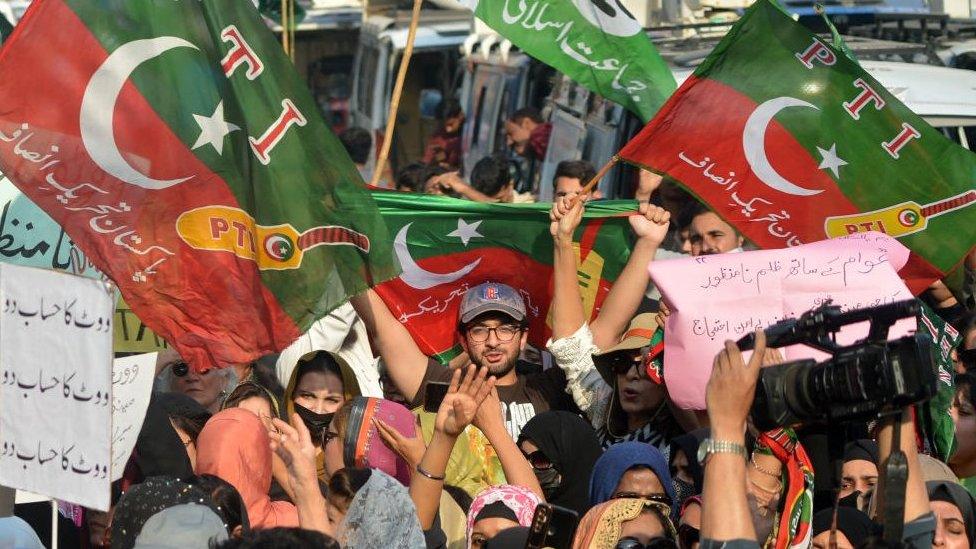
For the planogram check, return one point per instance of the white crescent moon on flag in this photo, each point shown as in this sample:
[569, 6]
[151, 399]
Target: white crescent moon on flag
[415, 276]
[98, 108]
[754, 145]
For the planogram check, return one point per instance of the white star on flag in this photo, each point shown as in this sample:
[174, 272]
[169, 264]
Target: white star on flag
[466, 231]
[213, 129]
[830, 159]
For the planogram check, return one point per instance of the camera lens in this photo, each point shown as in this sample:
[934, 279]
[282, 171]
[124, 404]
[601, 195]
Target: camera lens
[180, 369]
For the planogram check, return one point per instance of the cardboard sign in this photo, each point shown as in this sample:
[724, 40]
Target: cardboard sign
[722, 297]
[56, 384]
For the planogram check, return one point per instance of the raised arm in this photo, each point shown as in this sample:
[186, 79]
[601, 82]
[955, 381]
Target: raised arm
[456, 412]
[728, 397]
[516, 468]
[293, 444]
[404, 360]
[916, 496]
[567, 304]
[650, 225]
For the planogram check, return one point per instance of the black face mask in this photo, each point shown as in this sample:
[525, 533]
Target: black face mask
[682, 491]
[317, 424]
[549, 479]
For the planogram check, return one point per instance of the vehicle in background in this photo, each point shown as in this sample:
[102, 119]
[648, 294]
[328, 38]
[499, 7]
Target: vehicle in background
[433, 77]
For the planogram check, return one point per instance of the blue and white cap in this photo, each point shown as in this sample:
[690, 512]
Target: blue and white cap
[489, 297]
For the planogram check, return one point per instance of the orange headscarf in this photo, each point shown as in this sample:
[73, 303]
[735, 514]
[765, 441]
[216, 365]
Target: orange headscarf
[601, 525]
[234, 445]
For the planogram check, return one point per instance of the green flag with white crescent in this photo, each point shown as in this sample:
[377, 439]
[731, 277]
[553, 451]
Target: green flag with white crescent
[598, 43]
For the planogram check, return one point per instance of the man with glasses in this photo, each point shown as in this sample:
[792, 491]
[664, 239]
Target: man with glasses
[494, 329]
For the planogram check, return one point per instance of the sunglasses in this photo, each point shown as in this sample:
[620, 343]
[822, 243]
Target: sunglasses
[655, 543]
[622, 362]
[539, 461]
[180, 369]
[656, 498]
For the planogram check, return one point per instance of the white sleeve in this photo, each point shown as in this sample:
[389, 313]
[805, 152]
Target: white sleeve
[574, 355]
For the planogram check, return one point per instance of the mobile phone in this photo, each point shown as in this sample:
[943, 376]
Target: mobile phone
[434, 394]
[552, 527]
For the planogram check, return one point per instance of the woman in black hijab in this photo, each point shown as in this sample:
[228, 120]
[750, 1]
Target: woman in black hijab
[167, 441]
[955, 512]
[562, 448]
[687, 473]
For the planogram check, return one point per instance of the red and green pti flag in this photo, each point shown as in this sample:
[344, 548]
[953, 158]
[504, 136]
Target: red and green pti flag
[791, 141]
[178, 148]
[445, 246]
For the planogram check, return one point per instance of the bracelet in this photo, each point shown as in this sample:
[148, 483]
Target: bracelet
[763, 470]
[428, 474]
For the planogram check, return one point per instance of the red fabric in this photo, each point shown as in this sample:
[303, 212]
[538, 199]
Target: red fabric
[539, 140]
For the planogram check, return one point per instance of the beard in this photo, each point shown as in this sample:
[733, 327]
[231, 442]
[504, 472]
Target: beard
[497, 369]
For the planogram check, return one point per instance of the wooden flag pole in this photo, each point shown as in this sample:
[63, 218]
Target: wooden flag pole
[284, 28]
[292, 27]
[599, 175]
[395, 100]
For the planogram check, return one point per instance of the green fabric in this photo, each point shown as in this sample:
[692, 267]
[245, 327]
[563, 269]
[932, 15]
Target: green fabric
[969, 484]
[938, 429]
[5, 28]
[310, 182]
[272, 10]
[602, 47]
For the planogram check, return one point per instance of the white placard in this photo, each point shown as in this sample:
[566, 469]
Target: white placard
[132, 381]
[56, 384]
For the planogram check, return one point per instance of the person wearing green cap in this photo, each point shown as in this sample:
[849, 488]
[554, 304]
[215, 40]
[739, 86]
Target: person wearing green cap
[613, 365]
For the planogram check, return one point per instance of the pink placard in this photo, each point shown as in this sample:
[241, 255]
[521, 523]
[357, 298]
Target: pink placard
[715, 298]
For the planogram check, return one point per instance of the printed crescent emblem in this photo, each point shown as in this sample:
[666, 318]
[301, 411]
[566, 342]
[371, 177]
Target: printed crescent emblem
[610, 16]
[415, 276]
[98, 108]
[754, 145]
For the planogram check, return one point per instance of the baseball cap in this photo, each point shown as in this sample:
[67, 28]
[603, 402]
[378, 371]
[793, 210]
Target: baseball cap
[491, 297]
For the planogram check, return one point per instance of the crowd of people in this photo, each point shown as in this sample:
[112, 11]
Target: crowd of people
[338, 442]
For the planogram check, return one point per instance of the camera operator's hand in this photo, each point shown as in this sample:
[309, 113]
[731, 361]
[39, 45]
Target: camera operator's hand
[731, 389]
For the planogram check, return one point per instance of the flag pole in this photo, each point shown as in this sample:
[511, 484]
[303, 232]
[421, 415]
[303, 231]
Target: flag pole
[395, 99]
[599, 175]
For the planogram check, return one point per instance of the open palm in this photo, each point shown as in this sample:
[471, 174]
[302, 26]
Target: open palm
[464, 396]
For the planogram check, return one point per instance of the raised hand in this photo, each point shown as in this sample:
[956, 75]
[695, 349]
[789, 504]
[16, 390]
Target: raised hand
[732, 387]
[565, 216]
[410, 449]
[651, 222]
[293, 444]
[465, 396]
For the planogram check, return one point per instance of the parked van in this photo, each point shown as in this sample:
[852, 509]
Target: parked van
[433, 77]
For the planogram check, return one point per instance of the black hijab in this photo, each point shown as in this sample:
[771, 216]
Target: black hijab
[954, 493]
[159, 450]
[689, 443]
[864, 449]
[573, 447]
[854, 524]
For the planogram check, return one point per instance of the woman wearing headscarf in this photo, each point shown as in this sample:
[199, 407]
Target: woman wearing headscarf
[853, 528]
[687, 473]
[166, 445]
[955, 515]
[144, 500]
[640, 521]
[319, 385]
[562, 449]
[499, 508]
[859, 472]
[234, 446]
[354, 439]
[373, 510]
[631, 470]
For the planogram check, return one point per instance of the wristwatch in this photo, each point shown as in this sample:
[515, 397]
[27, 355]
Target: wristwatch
[709, 447]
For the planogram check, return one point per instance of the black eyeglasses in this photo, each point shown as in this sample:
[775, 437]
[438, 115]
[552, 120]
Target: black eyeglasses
[504, 333]
[688, 536]
[539, 461]
[654, 543]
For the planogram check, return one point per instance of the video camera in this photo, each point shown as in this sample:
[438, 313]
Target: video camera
[867, 379]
